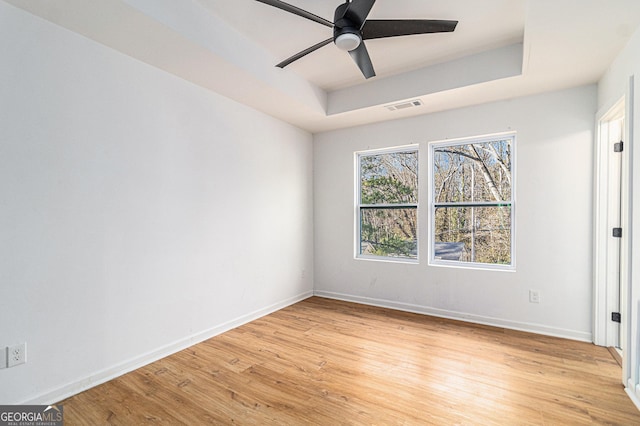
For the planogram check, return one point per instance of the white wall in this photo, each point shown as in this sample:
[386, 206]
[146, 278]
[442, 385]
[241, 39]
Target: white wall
[614, 85]
[138, 212]
[553, 218]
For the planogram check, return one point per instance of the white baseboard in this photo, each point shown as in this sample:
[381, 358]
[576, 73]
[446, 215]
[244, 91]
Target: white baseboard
[476, 319]
[633, 397]
[97, 378]
[632, 391]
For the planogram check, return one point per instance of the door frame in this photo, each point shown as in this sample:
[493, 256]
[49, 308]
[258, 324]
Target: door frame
[601, 232]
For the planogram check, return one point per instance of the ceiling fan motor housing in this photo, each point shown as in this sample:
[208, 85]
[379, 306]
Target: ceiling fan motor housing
[351, 27]
[344, 30]
[340, 18]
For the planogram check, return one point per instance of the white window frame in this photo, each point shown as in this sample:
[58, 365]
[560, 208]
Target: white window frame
[359, 206]
[432, 205]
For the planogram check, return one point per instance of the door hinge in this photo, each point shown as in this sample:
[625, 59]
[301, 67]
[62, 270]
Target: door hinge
[618, 147]
[617, 232]
[615, 317]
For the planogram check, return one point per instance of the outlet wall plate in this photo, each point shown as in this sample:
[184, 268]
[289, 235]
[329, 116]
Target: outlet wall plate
[17, 355]
[534, 296]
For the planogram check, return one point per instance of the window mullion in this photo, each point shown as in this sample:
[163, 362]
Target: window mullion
[475, 204]
[389, 206]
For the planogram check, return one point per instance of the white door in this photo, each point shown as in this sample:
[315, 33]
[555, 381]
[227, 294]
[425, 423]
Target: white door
[615, 136]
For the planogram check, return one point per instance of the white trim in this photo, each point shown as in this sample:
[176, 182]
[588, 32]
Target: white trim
[432, 261]
[604, 334]
[633, 393]
[58, 394]
[388, 150]
[358, 205]
[441, 263]
[599, 258]
[629, 344]
[461, 316]
[388, 259]
[626, 214]
[480, 138]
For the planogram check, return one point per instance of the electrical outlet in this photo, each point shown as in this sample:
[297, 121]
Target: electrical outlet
[17, 355]
[3, 358]
[534, 296]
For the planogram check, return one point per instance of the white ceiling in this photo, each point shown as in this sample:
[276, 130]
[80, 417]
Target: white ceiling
[500, 49]
[496, 23]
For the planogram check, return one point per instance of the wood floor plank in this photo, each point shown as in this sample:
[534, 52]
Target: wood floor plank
[329, 362]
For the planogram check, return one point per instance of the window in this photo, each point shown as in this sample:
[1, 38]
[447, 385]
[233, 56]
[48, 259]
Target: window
[387, 203]
[472, 202]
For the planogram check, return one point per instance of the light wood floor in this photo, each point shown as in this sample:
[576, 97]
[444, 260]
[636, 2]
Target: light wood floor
[327, 362]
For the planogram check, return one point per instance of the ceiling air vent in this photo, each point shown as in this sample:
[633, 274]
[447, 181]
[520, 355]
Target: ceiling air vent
[404, 105]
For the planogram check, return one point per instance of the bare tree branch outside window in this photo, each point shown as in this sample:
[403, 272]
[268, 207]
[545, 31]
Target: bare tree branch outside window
[388, 204]
[473, 201]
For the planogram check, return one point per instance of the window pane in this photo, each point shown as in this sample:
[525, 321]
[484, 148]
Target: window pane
[472, 172]
[389, 232]
[473, 234]
[389, 178]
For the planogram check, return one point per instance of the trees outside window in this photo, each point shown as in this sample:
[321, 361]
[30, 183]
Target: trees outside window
[472, 203]
[472, 206]
[388, 203]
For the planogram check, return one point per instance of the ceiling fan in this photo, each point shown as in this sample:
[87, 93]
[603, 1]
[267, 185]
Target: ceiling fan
[351, 27]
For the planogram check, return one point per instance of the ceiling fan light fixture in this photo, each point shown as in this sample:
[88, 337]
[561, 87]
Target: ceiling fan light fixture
[351, 27]
[348, 41]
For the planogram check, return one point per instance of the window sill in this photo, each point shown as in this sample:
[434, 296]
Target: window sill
[474, 266]
[388, 259]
